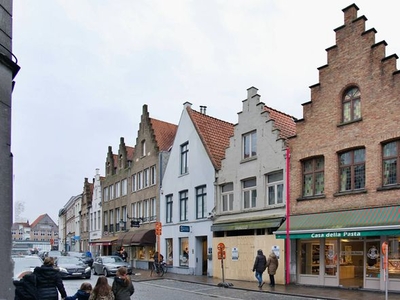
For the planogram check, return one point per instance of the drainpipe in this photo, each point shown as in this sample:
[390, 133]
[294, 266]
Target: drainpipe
[287, 245]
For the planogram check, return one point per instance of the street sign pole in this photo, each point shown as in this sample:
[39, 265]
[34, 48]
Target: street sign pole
[221, 256]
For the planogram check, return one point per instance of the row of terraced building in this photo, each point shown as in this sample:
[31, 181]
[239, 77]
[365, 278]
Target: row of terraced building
[322, 192]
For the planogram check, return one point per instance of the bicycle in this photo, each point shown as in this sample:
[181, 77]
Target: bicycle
[158, 268]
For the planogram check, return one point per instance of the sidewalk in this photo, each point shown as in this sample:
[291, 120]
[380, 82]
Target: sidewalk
[330, 293]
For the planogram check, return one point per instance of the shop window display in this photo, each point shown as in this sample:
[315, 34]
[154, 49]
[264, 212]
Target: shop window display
[394, 257]
[184, 250]
[373, 259]
[170, 253]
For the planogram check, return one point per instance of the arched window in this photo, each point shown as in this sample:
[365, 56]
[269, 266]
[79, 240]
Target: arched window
[351, 105]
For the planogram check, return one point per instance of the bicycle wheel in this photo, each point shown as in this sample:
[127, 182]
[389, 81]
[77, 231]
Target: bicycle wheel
[160, 271]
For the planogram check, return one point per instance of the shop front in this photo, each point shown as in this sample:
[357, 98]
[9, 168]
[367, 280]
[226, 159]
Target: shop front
[345, 248]
[103, 246]
[140, 246]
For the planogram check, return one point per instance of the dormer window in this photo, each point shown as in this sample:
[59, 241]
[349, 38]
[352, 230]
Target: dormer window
[351, 105]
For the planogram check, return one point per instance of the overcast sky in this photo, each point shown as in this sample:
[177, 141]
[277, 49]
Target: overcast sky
[88, 66]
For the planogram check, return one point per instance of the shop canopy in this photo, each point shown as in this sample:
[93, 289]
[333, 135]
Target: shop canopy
[343, 224]
[247, 224]
[138, 237]
[104, 241]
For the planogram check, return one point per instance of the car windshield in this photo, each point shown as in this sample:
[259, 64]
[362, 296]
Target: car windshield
[68, 260]
[54, 253]
[76, 254]
[23, 264]
[112, 259]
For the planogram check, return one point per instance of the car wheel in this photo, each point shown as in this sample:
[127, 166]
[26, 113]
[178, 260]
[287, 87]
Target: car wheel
[87, 277]
[106, 273]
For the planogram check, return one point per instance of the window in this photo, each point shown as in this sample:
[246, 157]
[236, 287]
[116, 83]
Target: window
[111, 222]
[124, 187]
[313, 176]
[227, 197]
[117, 218]
[168, 212]
[145, 209]
[352, 170]
[106, 196]
[139, 180]
[184, 250]
[146, 177]
[391, 165]
[170, 251]
[201, 202]
[352, 105]
[183, 200]
[184, 158]
[275, 188]
[249, 145]
[118, 189]
[111, 187]
[249, 193]
[143, 148]
[105, 221]
[134, 188]
[153, 174]
[98, 220]
[153, 207]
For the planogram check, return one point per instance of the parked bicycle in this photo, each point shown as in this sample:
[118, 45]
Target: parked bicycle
[158, 268]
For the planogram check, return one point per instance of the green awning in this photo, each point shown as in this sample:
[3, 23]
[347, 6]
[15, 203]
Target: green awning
[244, 225]
[342, 224]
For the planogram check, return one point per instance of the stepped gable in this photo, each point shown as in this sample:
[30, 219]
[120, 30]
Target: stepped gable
[283, 122]
[214, 134]
[130, 151]
[356, 48]
[164, 133]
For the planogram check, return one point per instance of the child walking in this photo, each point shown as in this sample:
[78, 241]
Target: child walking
[83, 293]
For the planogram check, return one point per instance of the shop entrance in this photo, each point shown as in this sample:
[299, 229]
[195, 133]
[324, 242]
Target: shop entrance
[351, 269]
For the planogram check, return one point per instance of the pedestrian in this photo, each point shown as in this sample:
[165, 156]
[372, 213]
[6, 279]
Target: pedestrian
[260, 264]
[83, 293]
[122, 286]
[124, 254]
[48, 281]
[102, 290]
[272, 264]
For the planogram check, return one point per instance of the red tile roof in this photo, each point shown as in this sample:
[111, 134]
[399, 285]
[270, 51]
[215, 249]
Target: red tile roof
[164, 133]
[283, 122]
[129, 152]
[214, 134]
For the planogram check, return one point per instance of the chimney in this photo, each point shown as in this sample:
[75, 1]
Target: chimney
[203, 109]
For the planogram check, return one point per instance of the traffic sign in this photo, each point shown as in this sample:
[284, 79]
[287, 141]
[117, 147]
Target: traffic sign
[221, 246]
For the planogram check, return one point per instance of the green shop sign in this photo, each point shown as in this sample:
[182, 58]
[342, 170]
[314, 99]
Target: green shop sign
[338, 234]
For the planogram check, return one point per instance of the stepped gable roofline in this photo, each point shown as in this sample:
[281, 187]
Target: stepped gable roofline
[285, 123]
[214, 134]
[164, 133]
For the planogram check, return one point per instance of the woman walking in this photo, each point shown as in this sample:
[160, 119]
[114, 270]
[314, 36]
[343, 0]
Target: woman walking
[102, 290]
[48, 281]
[272, 267]
[260, 264]
[122, 286]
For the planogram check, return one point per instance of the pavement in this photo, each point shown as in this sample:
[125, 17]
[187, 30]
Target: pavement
[307, 291]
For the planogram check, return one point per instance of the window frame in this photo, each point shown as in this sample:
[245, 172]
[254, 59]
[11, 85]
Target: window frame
[276, 184]
[352, 165]
[201, 202]
[227, 197]
[168, 211]
[314, 172]
[249, 144]
[396, 159]
[183, 205]
[252, 191]
[350, 100]
[184, 166]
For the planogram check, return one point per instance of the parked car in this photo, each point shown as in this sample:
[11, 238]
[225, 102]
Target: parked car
[72, 267]
[42, 254]
[108, 265]
[86, 259]
[25, 264]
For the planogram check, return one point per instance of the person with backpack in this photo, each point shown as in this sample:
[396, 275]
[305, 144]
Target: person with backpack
[25, 289]
[48, 281]
[122, 286]
[83, 293]
[260, 264]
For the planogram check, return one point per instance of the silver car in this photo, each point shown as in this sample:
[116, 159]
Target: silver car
[108, 265]
[25, 264]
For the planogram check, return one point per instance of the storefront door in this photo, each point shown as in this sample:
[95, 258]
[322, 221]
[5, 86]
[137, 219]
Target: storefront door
[351, 268]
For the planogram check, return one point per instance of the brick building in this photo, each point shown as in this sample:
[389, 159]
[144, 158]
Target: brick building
[345, 175]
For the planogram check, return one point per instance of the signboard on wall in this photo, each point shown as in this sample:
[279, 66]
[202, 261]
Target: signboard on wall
[275, 249]
[235, 253]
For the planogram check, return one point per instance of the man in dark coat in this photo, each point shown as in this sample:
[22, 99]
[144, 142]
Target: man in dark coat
[48, 281]
[260, 264]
